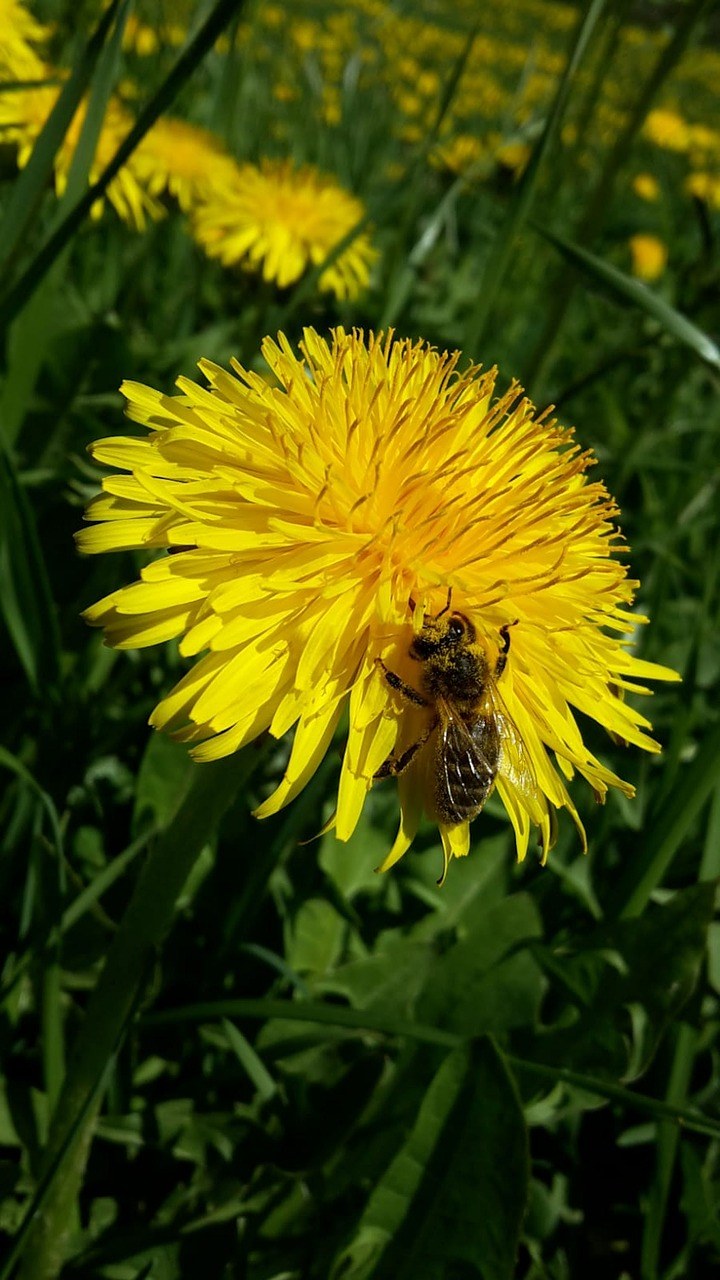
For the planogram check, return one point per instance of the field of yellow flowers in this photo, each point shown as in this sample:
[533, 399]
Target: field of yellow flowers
[359, 604]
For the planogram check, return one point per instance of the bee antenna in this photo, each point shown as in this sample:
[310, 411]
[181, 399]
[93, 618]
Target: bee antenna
[448, 602]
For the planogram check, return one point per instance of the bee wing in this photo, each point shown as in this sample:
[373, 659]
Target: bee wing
[465, 774]
[515, 763]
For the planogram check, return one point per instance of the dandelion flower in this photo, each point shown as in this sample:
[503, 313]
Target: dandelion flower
[704, 186]
[182, 159]
[281, 220]
[316, 522]
[514, 156]
[649, 257]
[23, 113]
[19, 32]
[667, 129]
[646, 186]
[145, 40]
[461, 154]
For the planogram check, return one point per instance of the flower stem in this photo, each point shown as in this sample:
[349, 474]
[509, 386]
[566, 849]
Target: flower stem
[147, 919]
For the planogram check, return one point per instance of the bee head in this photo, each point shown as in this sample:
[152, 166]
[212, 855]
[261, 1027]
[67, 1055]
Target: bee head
[442, 632]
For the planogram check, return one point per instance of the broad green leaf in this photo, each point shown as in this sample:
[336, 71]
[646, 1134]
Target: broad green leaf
[388, 982]
[453, 1198]
[351, 864]
[627, 289]
[315, 937]
[474, 987]
[652, 964]
[699, 1198]
[477, 986]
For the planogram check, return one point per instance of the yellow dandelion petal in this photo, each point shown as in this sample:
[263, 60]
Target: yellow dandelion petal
[411, 810]
[455, 840]
[369, 529]
[281, 220]
[312, 739]
[20, 32]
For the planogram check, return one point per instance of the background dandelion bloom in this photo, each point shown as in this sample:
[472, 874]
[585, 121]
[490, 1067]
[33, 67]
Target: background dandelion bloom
[649, 256]
[281, 220]
[23, 113]
[308, 517]
[19, 33]
[181, 159]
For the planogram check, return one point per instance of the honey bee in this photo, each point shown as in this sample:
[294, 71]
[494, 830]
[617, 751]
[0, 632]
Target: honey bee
[474, 736]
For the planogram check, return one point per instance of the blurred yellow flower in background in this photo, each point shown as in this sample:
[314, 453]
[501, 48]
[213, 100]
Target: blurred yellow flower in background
[183, 160]
[459, 154]
[281, 220]
[667, 129]
[704, 186]
[316, 522]
[514, 155]
[146, 39]
[646, 186]
[649, 256]
[19, 33]
[23, 113]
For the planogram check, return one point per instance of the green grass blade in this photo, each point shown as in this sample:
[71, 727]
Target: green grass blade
[251, 1064]
[85, 901]
[30, 184]
[686, 1045]
[25, 597]
[10, 762]
[66, 1148]
[664, 838]
[134, 948]
[596, 210]
[27, 344]
[307, 287]
[503, 247]
[403, 270]
[31, 337]
[626, 289]
[17, 296]
[10, 86]
[102, 86]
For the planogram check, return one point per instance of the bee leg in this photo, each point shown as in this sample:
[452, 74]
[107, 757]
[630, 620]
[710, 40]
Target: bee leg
[406, 690]
[398, 764]
[504, 647]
